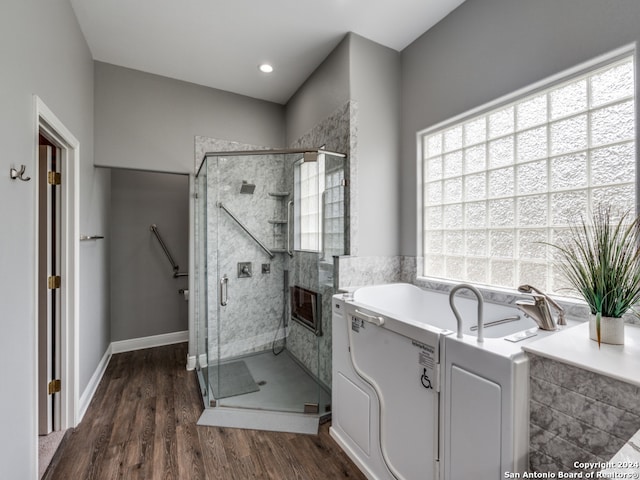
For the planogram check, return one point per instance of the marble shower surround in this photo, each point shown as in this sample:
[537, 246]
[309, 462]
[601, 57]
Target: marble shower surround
[252, 316]
[360, 271]
[244, 332]
[336, 133]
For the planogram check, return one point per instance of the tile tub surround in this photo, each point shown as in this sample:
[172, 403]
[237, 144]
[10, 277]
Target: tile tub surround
[585, 402]
[361, 271]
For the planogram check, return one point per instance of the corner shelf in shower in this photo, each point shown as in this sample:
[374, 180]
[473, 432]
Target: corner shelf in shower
[279, 221]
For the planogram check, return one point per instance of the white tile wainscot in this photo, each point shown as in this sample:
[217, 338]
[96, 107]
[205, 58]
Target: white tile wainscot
[585, 402]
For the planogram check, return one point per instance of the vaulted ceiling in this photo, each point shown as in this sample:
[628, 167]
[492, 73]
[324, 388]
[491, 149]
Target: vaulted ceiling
[220, 43]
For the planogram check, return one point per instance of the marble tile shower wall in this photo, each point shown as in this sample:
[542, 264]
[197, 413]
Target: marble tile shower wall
[249, 322]
[252, 326]
[577, 416]
[361, 271]
[336, 133]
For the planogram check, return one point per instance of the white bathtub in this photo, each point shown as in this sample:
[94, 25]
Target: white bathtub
[412, 401]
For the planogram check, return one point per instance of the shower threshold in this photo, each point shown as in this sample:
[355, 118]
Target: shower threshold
[286, 390]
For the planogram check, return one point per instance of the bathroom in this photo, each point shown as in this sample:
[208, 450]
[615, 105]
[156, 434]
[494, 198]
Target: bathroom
[128, 119]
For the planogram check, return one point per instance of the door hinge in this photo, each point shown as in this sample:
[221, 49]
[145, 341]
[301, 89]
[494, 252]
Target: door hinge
[54, 178]
[54, 282]
[344, 182]
[55, 386]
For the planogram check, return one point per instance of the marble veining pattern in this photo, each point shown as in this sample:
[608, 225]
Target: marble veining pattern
[336, 133]
[577, 415]
[617, 421]
[251, 320]
[360, 271]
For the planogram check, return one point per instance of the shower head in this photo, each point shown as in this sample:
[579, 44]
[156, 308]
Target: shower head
[247, 187]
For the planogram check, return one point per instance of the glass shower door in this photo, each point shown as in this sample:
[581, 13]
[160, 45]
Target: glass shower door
[253, 367]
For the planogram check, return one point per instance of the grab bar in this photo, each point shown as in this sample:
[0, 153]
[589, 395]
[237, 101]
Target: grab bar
[478, 295]
[289, 204]
[224, 290]
[248, 232]
[493, 323]
[376, 320]
[175, 266]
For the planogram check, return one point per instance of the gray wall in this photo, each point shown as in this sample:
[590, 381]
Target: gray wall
[144, 293]
[375, 87]
[326, 90]
[488, 48]
[149, 122]
[44, 53]
[368, 73]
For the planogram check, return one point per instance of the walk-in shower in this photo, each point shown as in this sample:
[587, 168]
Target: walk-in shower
[268, 224]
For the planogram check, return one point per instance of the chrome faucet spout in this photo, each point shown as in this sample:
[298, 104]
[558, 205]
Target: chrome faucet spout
[539, 310]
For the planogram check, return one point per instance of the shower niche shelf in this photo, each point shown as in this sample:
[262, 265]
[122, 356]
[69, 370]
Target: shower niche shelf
[279, 221]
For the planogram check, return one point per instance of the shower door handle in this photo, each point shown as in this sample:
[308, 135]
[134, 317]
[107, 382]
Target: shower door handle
[289, 205]
[224, 287]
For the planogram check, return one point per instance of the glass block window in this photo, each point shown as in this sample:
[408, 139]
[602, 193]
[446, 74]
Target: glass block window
[334, 213]
[309, 185]
[497, 185]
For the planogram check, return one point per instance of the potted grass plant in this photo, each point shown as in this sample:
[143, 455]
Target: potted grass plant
[601, 261]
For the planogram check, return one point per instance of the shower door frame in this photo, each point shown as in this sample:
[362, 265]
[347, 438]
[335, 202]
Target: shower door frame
[237, 153]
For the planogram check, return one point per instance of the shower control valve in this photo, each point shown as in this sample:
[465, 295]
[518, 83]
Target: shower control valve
[244, 269]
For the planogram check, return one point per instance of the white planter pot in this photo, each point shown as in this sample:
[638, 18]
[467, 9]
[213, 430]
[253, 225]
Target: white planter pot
[611, 330]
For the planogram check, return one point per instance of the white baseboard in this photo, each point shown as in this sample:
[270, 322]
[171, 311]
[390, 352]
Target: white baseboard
[94, 381]
[149, 342]
[191, 362]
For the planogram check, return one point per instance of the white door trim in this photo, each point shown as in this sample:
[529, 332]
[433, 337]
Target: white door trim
[47, 121]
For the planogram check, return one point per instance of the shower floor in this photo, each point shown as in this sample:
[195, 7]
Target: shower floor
[284, 385]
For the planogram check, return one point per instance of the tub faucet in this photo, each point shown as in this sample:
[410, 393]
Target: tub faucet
[540, 309]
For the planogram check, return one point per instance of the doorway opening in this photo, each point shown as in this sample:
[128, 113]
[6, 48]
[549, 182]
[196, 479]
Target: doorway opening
[56, 157]
[49, 274]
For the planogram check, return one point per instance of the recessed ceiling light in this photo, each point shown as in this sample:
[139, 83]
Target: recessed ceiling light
[266, 68]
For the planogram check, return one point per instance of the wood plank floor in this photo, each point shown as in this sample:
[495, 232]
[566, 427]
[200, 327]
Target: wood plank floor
[141, 424]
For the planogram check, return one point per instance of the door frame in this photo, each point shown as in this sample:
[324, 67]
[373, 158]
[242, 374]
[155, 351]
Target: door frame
[49, 124]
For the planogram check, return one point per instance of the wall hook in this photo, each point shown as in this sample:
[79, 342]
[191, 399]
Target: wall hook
[15, 174]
